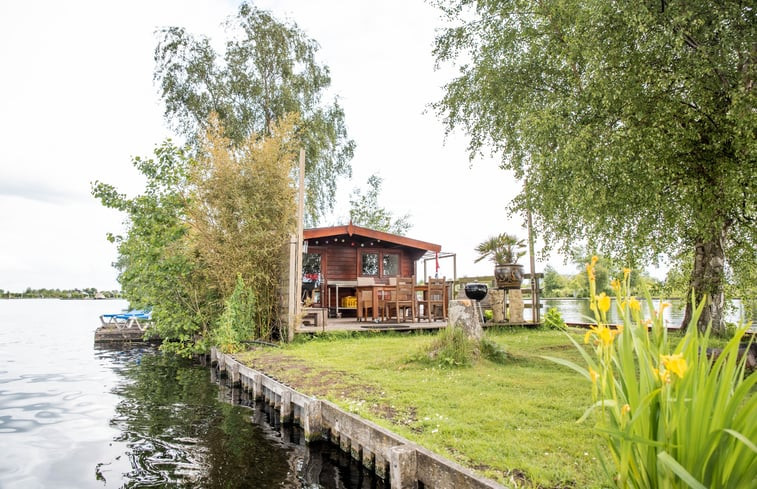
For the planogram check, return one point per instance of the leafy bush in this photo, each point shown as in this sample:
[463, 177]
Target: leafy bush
[553, 319]
[671, 417]
[450, 348]
[237, 322]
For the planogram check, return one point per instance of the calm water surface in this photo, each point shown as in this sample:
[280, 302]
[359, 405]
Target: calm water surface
[76, 416]
[578, 311]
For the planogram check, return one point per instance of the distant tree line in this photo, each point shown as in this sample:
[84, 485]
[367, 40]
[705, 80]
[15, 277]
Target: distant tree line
[555, 284]
[85, 293]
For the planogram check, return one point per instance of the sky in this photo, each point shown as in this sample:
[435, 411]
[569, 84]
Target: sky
[78, 102]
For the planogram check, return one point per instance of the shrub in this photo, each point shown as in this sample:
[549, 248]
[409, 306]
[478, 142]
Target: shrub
[553, 320]
[671, 417]
[237, 322]
[451, 348]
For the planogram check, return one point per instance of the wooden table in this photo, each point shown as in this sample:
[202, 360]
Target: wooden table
[376, 291]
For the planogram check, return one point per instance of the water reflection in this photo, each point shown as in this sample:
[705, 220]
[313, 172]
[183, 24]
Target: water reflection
[72, 415]
[178, 434]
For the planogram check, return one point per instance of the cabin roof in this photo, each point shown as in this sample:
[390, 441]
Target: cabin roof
[354, 230]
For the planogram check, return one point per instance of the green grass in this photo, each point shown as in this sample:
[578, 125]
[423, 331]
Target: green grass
[513, 422]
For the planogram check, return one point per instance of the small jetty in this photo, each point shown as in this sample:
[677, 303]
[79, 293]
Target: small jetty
[125, 327]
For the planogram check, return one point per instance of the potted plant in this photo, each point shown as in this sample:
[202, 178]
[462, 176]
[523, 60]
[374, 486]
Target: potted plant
[504, 250]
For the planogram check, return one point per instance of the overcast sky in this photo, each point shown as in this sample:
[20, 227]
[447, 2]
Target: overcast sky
[77, 102]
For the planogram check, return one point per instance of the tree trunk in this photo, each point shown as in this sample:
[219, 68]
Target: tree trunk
[707, 282]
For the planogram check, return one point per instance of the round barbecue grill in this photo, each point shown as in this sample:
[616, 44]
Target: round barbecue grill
[476, 291]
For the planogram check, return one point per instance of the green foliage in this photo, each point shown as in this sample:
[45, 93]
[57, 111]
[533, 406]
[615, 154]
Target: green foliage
[242, 212]
[365, 210]
[553, 282]
[450, 348]
[502, 249]
[197, 225]
[237, 322]
[155, 261]
[268, 70]
[672, 416]
[553, 320]
[632, 123]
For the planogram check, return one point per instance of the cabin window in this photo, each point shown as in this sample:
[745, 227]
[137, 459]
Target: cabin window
[370, 264]
[311, 265]
[391, 265]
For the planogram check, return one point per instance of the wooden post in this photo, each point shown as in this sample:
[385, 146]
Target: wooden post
[300, 239]
[535, 310]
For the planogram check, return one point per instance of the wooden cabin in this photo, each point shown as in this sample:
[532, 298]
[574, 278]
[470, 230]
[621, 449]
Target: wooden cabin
[337, 257]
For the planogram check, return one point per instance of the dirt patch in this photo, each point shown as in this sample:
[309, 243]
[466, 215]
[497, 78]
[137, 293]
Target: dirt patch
[334, 384]
[310, 380]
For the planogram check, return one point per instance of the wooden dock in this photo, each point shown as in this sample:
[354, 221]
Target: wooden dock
[110, 334]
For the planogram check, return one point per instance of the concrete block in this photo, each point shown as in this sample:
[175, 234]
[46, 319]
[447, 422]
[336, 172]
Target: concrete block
[286, 406]
[515, 306]
[344, 442]
[498, 305]
[368, 459]
[403, 469]
[233, 369]
[381, 466]
[356, 450]
[463, 313]
[257, 382]
[312, 421]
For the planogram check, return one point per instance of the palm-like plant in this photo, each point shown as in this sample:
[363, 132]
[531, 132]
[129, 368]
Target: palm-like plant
[502, 249]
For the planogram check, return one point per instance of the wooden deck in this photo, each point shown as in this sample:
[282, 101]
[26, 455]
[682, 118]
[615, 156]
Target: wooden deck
[351, 324]
[110, 334]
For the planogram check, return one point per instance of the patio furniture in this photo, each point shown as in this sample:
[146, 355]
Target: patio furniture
[139, 318]
[402, 301]
[434, 300]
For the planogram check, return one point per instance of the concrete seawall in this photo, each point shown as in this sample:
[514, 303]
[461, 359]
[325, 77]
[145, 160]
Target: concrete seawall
[405, 464]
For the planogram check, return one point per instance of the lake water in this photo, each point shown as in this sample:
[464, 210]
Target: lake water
[577, 311]
[76, 416]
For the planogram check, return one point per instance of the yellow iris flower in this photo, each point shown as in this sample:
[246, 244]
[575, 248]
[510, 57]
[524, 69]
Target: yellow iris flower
[675, 363]
[603, 302]
[604, 335]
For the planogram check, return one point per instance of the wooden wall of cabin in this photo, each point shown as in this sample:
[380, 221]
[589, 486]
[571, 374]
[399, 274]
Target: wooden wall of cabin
[343, 263]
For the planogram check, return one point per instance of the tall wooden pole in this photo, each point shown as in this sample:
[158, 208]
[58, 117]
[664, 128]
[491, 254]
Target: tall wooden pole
[300, 239]
[535, 303]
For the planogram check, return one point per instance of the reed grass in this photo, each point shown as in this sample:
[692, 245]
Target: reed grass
[671, 415]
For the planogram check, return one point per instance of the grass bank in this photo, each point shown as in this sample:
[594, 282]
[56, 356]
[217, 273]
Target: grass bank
[512, 422]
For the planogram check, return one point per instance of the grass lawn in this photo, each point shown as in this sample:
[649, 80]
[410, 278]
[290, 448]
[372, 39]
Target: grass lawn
[512, 422]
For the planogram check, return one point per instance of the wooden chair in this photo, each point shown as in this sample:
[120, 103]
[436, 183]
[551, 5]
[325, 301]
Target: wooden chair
[435, 300]
[364, 304]
[364, 298]
[402, 301]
